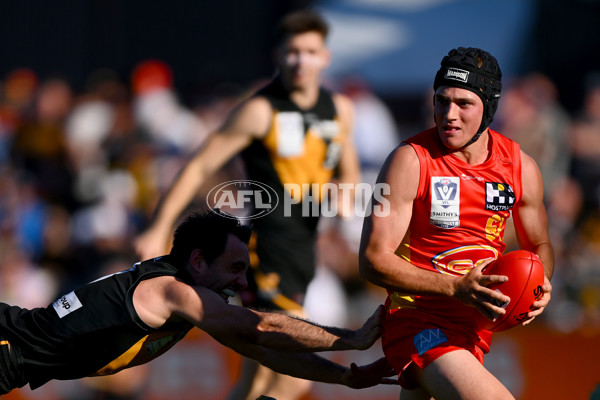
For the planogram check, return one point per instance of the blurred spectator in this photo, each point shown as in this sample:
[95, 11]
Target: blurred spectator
[585, 146]
[531, 115]
[375, 133]
[40, 147]
[15, 100]
[21, 281]
[158, 110]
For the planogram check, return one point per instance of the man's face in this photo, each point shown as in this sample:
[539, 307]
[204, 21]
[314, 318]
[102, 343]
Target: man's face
[458, 114]
[301, 59]
[226, 274]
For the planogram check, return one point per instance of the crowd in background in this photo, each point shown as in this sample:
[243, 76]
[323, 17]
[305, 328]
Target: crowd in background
[81, 172]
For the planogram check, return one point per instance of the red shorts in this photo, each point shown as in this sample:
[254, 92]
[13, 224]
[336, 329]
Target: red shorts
[411, 336]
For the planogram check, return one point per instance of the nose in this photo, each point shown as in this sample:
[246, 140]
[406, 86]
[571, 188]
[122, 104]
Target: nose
[242, 281]
[451, 112]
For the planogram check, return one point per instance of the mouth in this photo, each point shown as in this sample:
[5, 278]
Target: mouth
[450, 130]
[226, 294]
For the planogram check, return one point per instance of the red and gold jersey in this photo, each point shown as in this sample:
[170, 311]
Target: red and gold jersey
[459, 214]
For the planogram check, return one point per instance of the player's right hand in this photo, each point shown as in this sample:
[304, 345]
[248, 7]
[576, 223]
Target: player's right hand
[370, 331]
[472, 290]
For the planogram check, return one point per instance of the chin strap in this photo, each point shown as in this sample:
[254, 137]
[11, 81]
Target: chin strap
[474, 138]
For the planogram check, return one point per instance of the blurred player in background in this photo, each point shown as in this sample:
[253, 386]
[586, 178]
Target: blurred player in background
[131, 317]
[452, 189]
[293, 131]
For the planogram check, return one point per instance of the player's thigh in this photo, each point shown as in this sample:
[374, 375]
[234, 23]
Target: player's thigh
[459, 375]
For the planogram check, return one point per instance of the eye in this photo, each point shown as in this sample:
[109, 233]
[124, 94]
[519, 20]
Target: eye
[442, 101]
[238, 267]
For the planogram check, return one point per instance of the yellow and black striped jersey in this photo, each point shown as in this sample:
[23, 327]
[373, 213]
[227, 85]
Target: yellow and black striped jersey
[301, 148]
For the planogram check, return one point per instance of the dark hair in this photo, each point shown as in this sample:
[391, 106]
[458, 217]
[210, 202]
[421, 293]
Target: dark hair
[301, 22]
[208, 232]
[475, 70]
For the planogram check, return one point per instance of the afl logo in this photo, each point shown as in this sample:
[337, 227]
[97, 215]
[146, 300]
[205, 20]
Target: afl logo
[461, 260]
[254, 198]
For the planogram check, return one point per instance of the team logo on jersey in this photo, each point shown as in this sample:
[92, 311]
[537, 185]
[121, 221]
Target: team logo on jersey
[460, 260]
[499, 196]
[445, 201]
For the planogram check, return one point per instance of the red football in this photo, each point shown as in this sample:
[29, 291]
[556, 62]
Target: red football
[525, 274]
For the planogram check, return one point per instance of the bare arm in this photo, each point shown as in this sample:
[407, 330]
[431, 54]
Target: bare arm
[531, 225]
[382, 235]
[315, 368]
[251, 120]
[278, 331]
[158, 300]
[280, 342]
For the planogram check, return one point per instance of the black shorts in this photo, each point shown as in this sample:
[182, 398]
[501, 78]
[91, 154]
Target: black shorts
[11, 375]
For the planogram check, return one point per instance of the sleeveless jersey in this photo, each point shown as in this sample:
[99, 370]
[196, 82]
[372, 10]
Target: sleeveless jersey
[93, 330]
[301, 148]
[458, 216]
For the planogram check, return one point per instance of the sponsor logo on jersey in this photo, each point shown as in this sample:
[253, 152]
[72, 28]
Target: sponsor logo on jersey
[290, 134]
[67, 304]
[499, 196]
[445, 201]
[428, 339]
[457, 74]
[469, 177]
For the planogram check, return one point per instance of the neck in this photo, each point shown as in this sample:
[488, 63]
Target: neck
[477, 152]
[304, 97]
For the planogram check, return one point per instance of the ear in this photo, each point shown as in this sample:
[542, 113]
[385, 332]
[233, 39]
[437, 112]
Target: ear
[197, 260]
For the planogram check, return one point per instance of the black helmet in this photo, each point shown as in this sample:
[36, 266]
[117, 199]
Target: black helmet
[475, 70]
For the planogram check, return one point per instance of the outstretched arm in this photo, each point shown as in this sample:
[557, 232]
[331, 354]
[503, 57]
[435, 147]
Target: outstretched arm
[247, 122]
[315, 368]
[280, 342]
[276, 331]
[162, 299]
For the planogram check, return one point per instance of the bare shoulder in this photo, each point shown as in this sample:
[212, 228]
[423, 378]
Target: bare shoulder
[342, 102]
[401, 171]
[531, 179]
[250, 118]
[150, 299]
[527, 161]
[530, 171]
[403, 159]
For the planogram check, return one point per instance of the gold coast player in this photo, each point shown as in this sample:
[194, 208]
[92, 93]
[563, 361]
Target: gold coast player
[292, 131]
[452, 189]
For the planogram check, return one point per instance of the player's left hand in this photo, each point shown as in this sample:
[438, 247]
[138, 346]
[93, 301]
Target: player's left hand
[370, 331]
[538, 306]
[369, 375]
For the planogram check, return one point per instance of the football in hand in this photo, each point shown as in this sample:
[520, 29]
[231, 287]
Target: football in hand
[525, 274]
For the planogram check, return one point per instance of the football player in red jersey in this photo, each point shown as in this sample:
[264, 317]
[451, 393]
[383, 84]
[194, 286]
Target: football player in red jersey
[452, 188]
